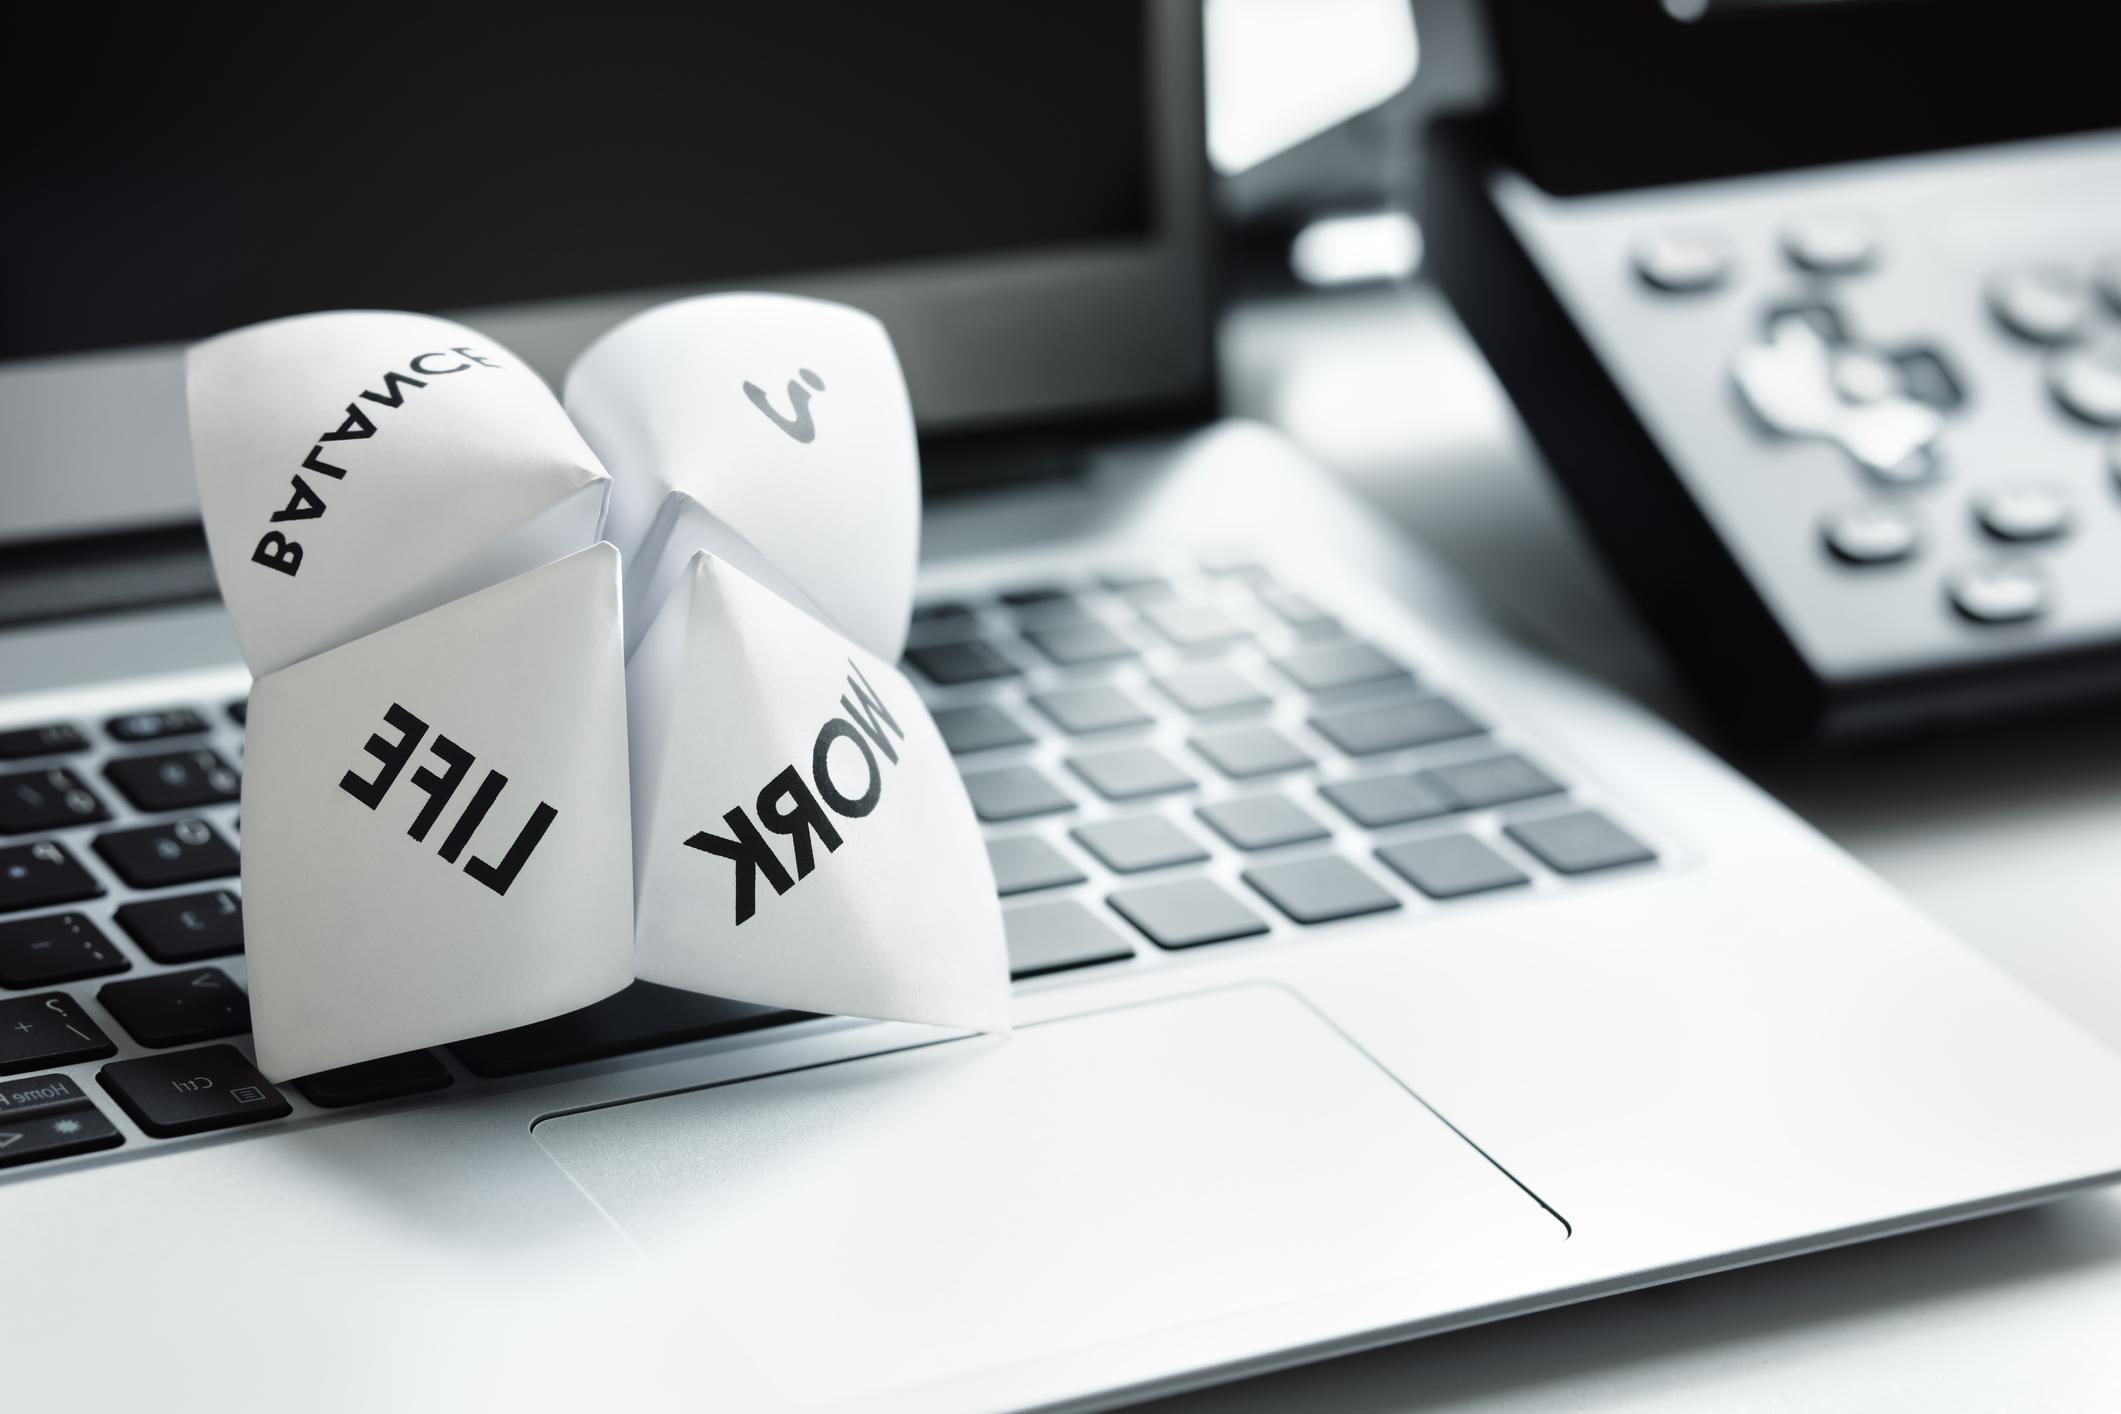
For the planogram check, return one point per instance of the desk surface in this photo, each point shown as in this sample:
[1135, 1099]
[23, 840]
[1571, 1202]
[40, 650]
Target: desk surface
[2011, 839]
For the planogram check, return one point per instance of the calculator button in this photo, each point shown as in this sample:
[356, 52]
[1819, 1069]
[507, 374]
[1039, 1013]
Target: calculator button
[50, 799]
[1205, 690]
[59, 947]
[2002, 593]
[2046, 304]
[1395, 726]
[1378, 801]
[1831, 243]
[1334, 666]
[1682, 261]
[2087, 382]
[1244, 752]
[2023, 512]
[1871, 533]
[1074, 644]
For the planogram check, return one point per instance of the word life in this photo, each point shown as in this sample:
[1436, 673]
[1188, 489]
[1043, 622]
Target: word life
[276, 551]
[787, 804]
[441, 788]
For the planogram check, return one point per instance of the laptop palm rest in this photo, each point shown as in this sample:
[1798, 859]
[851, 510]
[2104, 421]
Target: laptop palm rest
[927, 1213]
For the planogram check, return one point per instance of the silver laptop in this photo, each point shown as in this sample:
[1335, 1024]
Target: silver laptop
[1375, 977]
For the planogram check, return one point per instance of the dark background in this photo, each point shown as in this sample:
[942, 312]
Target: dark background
[177, 171]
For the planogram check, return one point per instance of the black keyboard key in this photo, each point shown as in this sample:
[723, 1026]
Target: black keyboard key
[1186, 913]
[979, 728]
[1195, 627]
[52, 739]
[643, 1017]
[1130, 772]
[31, 1095]
[1261, 821]
[1098, 708]
[192, 1092]
[1579, 842]
[1395, 726]
[58, 947]
[1375, 802]
[41, 874]
[390, 1078]
[1026, 863]
[1057, 935]
[186, 927]
[1134, 843]
[961, 661]
[1492, 780]
[45, 1030]
[239, 712]
[153, 726]
[1027, 596]
[178, 1008]
[1251, 751]
[175, 780]
[81, 1130]
[1073, 644]
[50, 799]
[1334, 666]
[1449, 866]
[1013, 793]
[1204, 690]
[180, 852]
[1319, 890]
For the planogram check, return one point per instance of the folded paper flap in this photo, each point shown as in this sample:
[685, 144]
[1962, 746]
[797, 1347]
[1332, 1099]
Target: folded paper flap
[440, 843]
[359, 467]
[785, 418]
[803, 838]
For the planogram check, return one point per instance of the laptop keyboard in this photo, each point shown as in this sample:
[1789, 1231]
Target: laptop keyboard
[1162, 762]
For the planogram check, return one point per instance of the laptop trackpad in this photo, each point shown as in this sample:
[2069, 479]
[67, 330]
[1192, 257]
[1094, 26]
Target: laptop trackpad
[974, 1203]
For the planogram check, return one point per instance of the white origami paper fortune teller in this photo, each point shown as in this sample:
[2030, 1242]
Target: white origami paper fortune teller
[800, 836]
[445, 832]
[435, 839]
[772, 432]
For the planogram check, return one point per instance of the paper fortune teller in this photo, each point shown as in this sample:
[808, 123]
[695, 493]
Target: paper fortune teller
[447, 828]
[772, 432]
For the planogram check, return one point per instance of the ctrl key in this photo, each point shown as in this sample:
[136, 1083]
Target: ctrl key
[191, 1092]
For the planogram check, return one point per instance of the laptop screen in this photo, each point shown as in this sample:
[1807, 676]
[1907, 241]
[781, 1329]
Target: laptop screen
[1018, 191]
[292, 163]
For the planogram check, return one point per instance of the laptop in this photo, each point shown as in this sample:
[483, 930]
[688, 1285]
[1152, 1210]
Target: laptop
[1375, 976]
